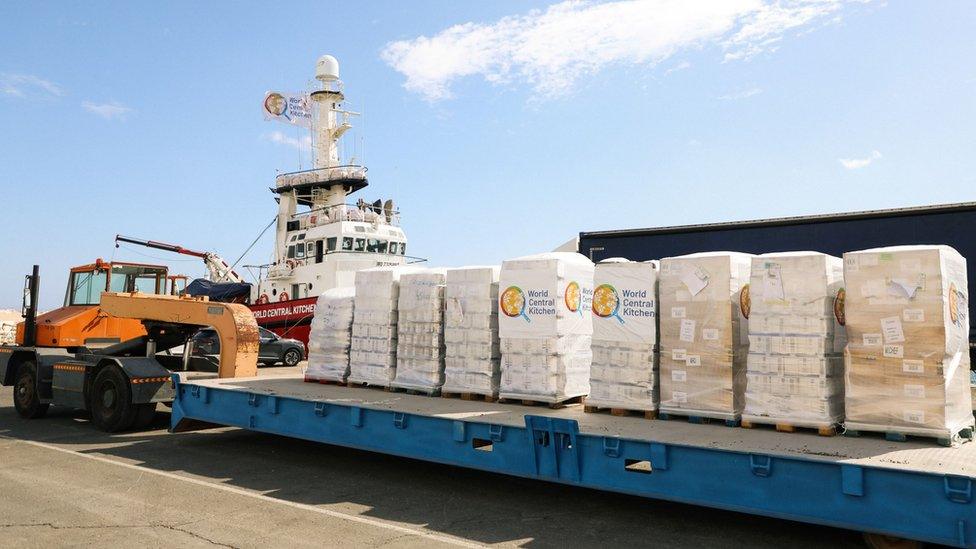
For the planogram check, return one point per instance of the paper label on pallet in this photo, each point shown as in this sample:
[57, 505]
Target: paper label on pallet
[677, 312]
[693, 360]
[695, 280]
[913, 315]
[894, 351]
[773, 282]
[914, 391]
[892, 330]
[913, 366]
[871, 340]
[914, 416]
[679, 375]
[687, 332]
[710, 334]
[678, 354]
[679, 397]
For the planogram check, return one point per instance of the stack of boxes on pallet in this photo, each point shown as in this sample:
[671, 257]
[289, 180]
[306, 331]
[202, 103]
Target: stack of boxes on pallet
[795, 363]
[907, 360]
[372, 359]
[331, 336]
[473, 356]
[545, 327]
[704, 336]
[624, 371]
[420, 331]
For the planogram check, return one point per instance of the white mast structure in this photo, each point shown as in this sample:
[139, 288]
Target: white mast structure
[323, 247]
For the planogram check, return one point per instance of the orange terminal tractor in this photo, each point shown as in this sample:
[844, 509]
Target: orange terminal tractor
[110, 348]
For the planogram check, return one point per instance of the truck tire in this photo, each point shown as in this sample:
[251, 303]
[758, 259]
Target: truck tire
[145, 414]
[110, 402]
[26, 400]
[292, 357]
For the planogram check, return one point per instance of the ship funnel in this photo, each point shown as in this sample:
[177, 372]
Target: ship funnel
[327, 69]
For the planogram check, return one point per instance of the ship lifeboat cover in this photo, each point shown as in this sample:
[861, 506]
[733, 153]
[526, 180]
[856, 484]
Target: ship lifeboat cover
[224, 292]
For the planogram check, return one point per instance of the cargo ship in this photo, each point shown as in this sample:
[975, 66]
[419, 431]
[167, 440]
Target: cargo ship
[321, 239]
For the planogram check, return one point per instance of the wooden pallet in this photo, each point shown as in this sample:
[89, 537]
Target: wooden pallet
[698, 419]
[470, 396]
[386, 388]
[551, 405]
[325, 381]
[895, 436]
[420, 392]
[823, 430]
[621, 412]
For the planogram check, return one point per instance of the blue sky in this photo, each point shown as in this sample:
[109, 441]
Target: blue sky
[500, 128]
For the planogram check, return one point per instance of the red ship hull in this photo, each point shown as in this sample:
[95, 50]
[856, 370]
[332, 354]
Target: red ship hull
[292, 319]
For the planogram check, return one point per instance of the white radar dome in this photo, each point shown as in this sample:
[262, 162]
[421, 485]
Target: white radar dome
[327, 68]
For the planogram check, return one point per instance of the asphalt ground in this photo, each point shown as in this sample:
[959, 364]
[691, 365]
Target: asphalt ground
[65, 484]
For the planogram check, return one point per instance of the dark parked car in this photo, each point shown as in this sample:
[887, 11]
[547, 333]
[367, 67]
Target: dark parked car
[274, 348]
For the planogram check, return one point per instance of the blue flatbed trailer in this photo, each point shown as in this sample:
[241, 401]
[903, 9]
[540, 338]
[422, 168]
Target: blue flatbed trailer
[915, 490]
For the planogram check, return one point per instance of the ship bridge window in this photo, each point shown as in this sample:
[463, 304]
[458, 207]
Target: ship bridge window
[360, 245]
[301, 236]
[330, 244]
[310, 248]
[293, 237]
[403, 248]
[300, 251]
[393, 247]
[347, 243]
[376, 246]
[291, 252]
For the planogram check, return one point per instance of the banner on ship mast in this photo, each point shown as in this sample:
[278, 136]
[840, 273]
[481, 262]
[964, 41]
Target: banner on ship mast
[290, 108]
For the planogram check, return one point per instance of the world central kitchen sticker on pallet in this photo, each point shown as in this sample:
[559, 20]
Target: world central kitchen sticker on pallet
[545, 296]
[625, 303]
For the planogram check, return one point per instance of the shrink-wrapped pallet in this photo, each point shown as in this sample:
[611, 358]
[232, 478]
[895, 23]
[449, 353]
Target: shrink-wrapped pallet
[624, 370]
[545, 326]
[794, 368]
[331, 336]
[372, 358]
[907, 360]
[473, 355]
[420, 331]
[704, 335]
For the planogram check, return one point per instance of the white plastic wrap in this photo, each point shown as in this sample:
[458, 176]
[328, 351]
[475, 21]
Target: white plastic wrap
[703, 334]
[372, 358]
[623, 373]
[330, 337]
[420, 331]
[907, 360]
[473, 353]
[545, 326]
[795, 367]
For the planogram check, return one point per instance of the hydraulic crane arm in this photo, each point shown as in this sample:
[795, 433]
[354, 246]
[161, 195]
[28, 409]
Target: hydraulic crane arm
[217, 269]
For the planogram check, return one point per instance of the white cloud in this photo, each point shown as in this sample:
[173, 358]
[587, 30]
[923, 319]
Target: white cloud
[858, 163]
[553, 49]
[679, 67]
[28, 85]
[109, 111]
[280, 138]
[744, 94]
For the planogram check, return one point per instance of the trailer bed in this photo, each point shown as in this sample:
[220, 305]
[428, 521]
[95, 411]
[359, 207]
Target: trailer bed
[912, 489]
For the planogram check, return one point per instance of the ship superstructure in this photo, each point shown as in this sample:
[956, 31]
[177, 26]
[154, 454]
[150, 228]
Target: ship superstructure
[322, 239]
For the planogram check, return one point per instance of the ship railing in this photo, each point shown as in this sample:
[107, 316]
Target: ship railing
[362, 212]
[321, 175]
[288, 265]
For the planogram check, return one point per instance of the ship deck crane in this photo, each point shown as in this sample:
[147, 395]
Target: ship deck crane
[218, 270]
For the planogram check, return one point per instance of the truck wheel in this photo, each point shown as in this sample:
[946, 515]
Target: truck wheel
[145, 414]
[292, 357]
[111, 401]
[26, 400]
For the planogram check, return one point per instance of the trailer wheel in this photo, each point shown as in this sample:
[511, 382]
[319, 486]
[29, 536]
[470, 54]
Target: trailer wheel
[26, 400]
[881, 541]
[292, 357]
[145, 414]
[111, 401]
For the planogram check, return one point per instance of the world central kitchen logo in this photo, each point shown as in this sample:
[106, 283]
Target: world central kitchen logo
[515, 302]
[607, 303]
